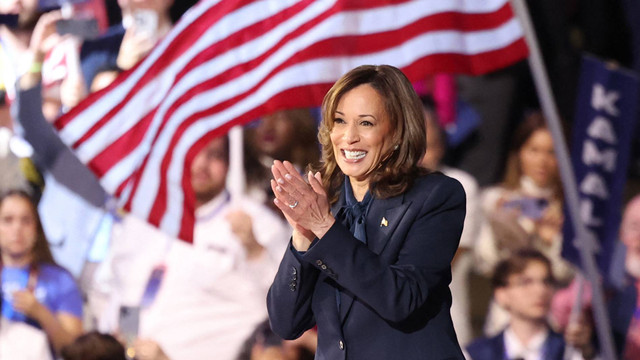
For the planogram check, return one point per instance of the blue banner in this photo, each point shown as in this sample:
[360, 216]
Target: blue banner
[605, 119]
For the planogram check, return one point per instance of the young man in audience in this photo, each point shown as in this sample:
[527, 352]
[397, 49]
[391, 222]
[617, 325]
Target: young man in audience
[524, 285]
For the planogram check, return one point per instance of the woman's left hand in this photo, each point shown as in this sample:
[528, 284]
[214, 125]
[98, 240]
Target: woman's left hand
[25, 302]
[550, 225]
[305, 205]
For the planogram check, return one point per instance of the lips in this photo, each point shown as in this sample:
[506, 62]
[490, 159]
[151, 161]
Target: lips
[354, 154]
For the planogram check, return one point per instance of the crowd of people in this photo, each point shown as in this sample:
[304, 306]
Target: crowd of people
[127, 290]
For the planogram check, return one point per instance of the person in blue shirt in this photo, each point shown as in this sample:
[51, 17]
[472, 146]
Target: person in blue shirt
[34, 289]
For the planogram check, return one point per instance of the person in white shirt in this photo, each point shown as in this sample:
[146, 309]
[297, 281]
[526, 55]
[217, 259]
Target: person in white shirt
[212, 294]
[523, 286]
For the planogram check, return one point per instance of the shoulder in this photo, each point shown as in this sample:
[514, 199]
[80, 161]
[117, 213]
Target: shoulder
[56, 274]
[485, 348]
[469, 183]
[258, 211]
[436, 188]
[263, 217]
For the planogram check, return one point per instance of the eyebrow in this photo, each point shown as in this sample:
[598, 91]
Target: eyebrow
[360, 116]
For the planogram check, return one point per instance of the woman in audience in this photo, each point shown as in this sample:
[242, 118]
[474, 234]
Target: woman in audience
[526, 209]
[284, 135]
[34, 289]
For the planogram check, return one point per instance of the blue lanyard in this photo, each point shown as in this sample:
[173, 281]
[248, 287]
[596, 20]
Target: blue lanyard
[214, 212]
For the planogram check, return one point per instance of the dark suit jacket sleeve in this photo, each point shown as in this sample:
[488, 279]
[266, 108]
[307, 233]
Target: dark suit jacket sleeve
[291, 293]
[427, 236]
[396, 290]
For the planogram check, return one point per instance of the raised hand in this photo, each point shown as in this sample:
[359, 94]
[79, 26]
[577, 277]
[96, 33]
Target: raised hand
[305, 205]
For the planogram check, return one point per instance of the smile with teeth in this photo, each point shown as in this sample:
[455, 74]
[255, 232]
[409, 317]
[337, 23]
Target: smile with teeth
[354, 155]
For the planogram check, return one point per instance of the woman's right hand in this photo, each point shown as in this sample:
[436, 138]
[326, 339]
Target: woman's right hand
[301, 237]
[134, 47]
[310, 213]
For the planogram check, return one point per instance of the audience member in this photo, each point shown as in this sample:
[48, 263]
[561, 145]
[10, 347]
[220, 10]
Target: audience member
[264, 344]
[624, 306]
[71, 186]
[284, 135]
[212, 294]
[523, 285]
[94, 346]
[525, 210]
[14, 44]
[144, 23]
[462, 261]
[19, 340]
[35, 290]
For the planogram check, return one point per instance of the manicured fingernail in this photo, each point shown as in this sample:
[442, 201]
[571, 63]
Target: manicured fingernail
[280, 181]
[279, 188]
[288, 176]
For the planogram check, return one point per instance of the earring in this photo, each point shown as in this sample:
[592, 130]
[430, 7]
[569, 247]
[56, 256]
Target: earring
[396, 147]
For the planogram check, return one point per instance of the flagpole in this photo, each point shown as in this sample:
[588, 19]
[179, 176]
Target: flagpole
[236, 179]
[584, 240]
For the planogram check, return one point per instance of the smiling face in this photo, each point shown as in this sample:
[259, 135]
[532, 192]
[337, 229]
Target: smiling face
[18, 228]
[361, 134]
[537, 159]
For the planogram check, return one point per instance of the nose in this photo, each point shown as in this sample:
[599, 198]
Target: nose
[351, 134]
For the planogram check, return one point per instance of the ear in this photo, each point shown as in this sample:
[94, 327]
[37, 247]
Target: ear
[501, 297]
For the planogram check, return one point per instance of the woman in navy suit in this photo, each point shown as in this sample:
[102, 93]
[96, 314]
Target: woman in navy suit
[374, 234]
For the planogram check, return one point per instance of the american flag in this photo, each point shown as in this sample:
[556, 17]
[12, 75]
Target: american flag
[227, 62]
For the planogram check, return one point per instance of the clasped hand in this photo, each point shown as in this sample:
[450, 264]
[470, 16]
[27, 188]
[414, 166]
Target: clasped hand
[25, 302]
[304, 205]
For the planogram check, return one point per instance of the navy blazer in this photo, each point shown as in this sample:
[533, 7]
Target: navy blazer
[394, 290]
[493, 348]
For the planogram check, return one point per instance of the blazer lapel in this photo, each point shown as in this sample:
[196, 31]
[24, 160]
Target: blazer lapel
[382, 219]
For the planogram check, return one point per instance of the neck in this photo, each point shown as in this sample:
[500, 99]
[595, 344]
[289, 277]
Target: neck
[202, 199]
[17, 38]
[525, 329]
[164, 25]
[359, 188]
[16, 261]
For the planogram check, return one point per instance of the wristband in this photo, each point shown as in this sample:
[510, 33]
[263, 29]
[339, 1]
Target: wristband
[36, 67]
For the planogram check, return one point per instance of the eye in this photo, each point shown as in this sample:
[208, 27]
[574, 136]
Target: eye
[338, 120]
[366, 123]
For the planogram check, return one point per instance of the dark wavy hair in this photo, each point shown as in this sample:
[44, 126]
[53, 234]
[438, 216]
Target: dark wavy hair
[41, 254]
[400, 166]
[516, 264]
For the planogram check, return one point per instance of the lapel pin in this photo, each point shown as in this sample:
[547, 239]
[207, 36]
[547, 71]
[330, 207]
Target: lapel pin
[384, 222]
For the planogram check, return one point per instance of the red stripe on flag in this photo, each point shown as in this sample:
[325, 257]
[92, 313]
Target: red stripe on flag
[359, 44]
[122, 147]
[354, 45]
[299, 96]
[208, 54]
